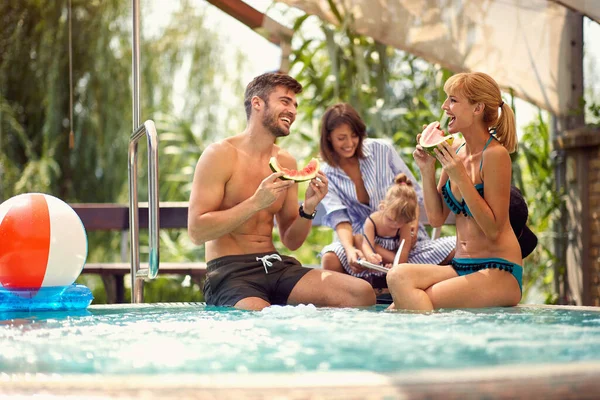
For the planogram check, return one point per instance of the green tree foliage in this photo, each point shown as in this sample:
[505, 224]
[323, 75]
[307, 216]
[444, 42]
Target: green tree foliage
[34, 104]
[534, 175]
[35, 99]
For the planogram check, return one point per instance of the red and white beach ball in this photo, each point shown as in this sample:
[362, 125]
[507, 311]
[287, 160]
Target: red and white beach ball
[42, 242]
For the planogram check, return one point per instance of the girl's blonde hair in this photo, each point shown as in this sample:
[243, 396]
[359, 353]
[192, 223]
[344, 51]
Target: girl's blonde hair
[478, 87]
[400, 202]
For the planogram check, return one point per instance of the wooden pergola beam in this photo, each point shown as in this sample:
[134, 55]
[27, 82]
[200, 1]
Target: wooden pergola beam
[251, 17]
[241, 11]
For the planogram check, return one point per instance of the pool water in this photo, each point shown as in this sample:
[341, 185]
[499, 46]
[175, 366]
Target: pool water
[194, 338]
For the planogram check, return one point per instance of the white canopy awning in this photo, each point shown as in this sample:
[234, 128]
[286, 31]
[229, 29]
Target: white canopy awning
[589, 8]
[525, 45]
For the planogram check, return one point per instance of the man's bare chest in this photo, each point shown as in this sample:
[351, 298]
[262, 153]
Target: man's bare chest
[244, 182]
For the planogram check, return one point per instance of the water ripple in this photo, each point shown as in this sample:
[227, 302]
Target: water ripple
[200, 339]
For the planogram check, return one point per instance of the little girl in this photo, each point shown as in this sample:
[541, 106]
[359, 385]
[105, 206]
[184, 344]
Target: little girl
[396, 220]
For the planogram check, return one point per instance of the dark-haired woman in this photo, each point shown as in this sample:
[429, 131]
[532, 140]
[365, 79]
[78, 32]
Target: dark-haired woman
[360, 170]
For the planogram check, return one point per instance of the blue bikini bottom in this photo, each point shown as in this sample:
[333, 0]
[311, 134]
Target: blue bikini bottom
[466, 266]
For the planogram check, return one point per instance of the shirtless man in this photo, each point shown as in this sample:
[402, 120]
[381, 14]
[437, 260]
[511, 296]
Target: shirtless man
[234, 199]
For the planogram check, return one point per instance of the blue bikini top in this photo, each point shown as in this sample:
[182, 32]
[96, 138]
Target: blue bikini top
[460, 207]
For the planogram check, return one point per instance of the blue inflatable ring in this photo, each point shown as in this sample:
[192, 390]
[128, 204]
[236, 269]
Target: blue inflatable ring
[73, 297]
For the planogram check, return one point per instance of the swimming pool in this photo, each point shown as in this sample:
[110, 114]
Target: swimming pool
[183, 345]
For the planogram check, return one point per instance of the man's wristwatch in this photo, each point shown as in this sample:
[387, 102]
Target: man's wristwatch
[305, 215]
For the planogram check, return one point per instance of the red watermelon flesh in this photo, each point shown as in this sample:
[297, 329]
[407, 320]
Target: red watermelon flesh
[305, 174]
[432, 136]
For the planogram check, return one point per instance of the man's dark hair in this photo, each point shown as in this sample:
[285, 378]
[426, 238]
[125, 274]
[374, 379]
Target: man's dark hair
[264, 84]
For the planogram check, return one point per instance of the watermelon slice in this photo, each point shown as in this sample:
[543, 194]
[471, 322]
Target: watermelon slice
[305, 174]
[432, 136]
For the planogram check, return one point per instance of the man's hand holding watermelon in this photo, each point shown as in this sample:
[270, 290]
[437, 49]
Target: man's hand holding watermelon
[270, 189]
[318, 185]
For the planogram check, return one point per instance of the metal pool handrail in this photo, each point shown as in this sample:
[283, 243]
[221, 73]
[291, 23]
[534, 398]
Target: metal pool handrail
[138, 274]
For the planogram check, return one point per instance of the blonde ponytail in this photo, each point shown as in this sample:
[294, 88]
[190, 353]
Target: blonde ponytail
[506, 131]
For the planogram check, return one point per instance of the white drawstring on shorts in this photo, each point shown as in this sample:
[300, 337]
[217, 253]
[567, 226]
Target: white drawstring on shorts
[265, 260]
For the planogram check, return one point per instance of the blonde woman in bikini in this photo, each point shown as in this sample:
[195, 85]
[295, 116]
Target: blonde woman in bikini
[487, 268]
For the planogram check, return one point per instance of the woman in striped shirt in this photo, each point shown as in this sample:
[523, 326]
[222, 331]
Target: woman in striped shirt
[360, 170]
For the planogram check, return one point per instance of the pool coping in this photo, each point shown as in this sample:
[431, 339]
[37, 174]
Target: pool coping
[549, 381]
[187, 304]
[560, 307]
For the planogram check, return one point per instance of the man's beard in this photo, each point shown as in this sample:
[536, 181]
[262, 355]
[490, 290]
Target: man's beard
[271, 122]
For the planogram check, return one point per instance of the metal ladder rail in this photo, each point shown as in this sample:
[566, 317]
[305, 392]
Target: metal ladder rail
[139, 274]
[149, 130]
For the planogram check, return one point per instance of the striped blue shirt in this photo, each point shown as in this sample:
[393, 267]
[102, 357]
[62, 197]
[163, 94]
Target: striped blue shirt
[378, 168]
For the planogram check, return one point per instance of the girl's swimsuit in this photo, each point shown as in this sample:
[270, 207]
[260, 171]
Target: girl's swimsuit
[465, 266]
[387, 242]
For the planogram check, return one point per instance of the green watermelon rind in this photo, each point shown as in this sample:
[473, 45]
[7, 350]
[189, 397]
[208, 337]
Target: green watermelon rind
[275, 167]
[430, 149]
[428, 131]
